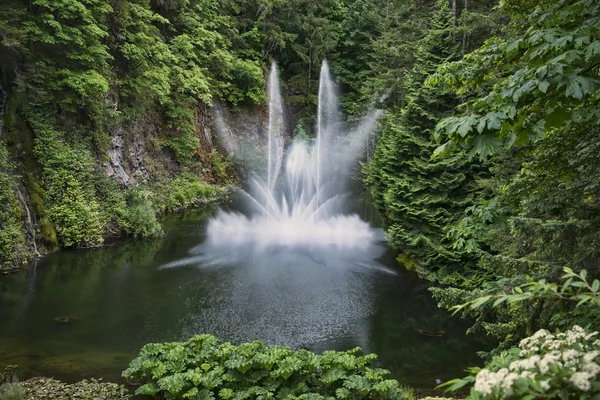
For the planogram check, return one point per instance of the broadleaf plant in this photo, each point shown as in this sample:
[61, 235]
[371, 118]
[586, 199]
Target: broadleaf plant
[203, 368]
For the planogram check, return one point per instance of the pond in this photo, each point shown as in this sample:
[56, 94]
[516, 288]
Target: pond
[86, 313]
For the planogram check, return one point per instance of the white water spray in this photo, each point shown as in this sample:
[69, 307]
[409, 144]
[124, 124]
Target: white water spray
[275, 139]
[306, 206]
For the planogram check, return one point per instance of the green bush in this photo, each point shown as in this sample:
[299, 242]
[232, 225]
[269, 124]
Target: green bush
[221, 166]
[12, 241]
[203, 368]
[185, 145]
[187, 190]
[544, 366]
[51, 389]
[139, 217]
[69, 181]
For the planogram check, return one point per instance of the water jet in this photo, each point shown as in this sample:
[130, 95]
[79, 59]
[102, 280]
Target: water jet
[306, 204]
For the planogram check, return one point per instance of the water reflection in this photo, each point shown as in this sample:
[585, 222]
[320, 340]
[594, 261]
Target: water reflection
[121, 299]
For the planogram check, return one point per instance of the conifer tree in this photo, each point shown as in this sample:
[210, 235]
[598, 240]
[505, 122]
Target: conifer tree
[421, 198]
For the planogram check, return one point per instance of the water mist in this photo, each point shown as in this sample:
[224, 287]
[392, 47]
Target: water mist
[301, 201]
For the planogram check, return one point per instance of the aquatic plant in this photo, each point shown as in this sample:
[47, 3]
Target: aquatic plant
[204, 368]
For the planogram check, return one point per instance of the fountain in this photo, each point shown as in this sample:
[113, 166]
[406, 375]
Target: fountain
[305, 207]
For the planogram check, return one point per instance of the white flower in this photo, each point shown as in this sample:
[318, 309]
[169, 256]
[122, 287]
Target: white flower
[527, 375]
[550, 358]
[545, 384]
[573, 352]
[590, 356]
[590, 335]
[581, 380]
[484, 382]
[552, 344]
[539, 336]
[507, 383]
[527, 363]
[591, 368]
[577, 329]
[569, 354]
[574, 334]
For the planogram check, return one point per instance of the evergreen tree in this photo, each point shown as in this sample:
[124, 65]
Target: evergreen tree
[421, 198]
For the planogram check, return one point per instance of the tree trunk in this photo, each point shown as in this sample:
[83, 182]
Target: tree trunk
[454, 11]
[464, 42]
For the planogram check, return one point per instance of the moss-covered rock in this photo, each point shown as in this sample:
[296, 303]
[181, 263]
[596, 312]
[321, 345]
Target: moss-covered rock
[42, 389]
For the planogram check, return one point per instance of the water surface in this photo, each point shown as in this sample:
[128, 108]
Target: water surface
[136, 292]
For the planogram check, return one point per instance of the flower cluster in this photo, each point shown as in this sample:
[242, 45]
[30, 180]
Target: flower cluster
[542, 366]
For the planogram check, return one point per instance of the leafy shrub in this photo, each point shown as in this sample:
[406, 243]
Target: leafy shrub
[203, 368]
[545, 365]
[220, 166]
[10, 388]
[184, 145]
[12, 241]
[574, 301]
[68, 179]
[188, 190]
[301, 135]
[139, 217]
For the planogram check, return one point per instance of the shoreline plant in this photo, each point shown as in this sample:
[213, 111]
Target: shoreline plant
[203, 368]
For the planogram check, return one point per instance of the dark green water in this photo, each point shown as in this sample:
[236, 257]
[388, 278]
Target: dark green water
[122, 298]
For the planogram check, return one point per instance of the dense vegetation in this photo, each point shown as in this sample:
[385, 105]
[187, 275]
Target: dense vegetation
[79, 77]
[203, 368]
[486, 170]
[487, 176]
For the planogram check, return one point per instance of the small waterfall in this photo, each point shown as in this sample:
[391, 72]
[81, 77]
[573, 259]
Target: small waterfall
[30, 224]
[225, 135]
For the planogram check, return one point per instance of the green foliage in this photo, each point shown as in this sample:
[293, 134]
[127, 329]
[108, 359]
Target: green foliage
[575, 289]
[12, 241]
[68, 177]
[188, 190]
[139, 216]
[185, 144]
[204, 368]
[420, 198]
[535, 101]
[179, 57]
[75, 30]
[48, 388]
[301, 135]
[11, 391]
[544, 77]
[545, 365]
[221, 166]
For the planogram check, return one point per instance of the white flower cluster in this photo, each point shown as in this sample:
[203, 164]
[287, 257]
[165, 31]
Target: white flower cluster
[552, 360]
[487, 380]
